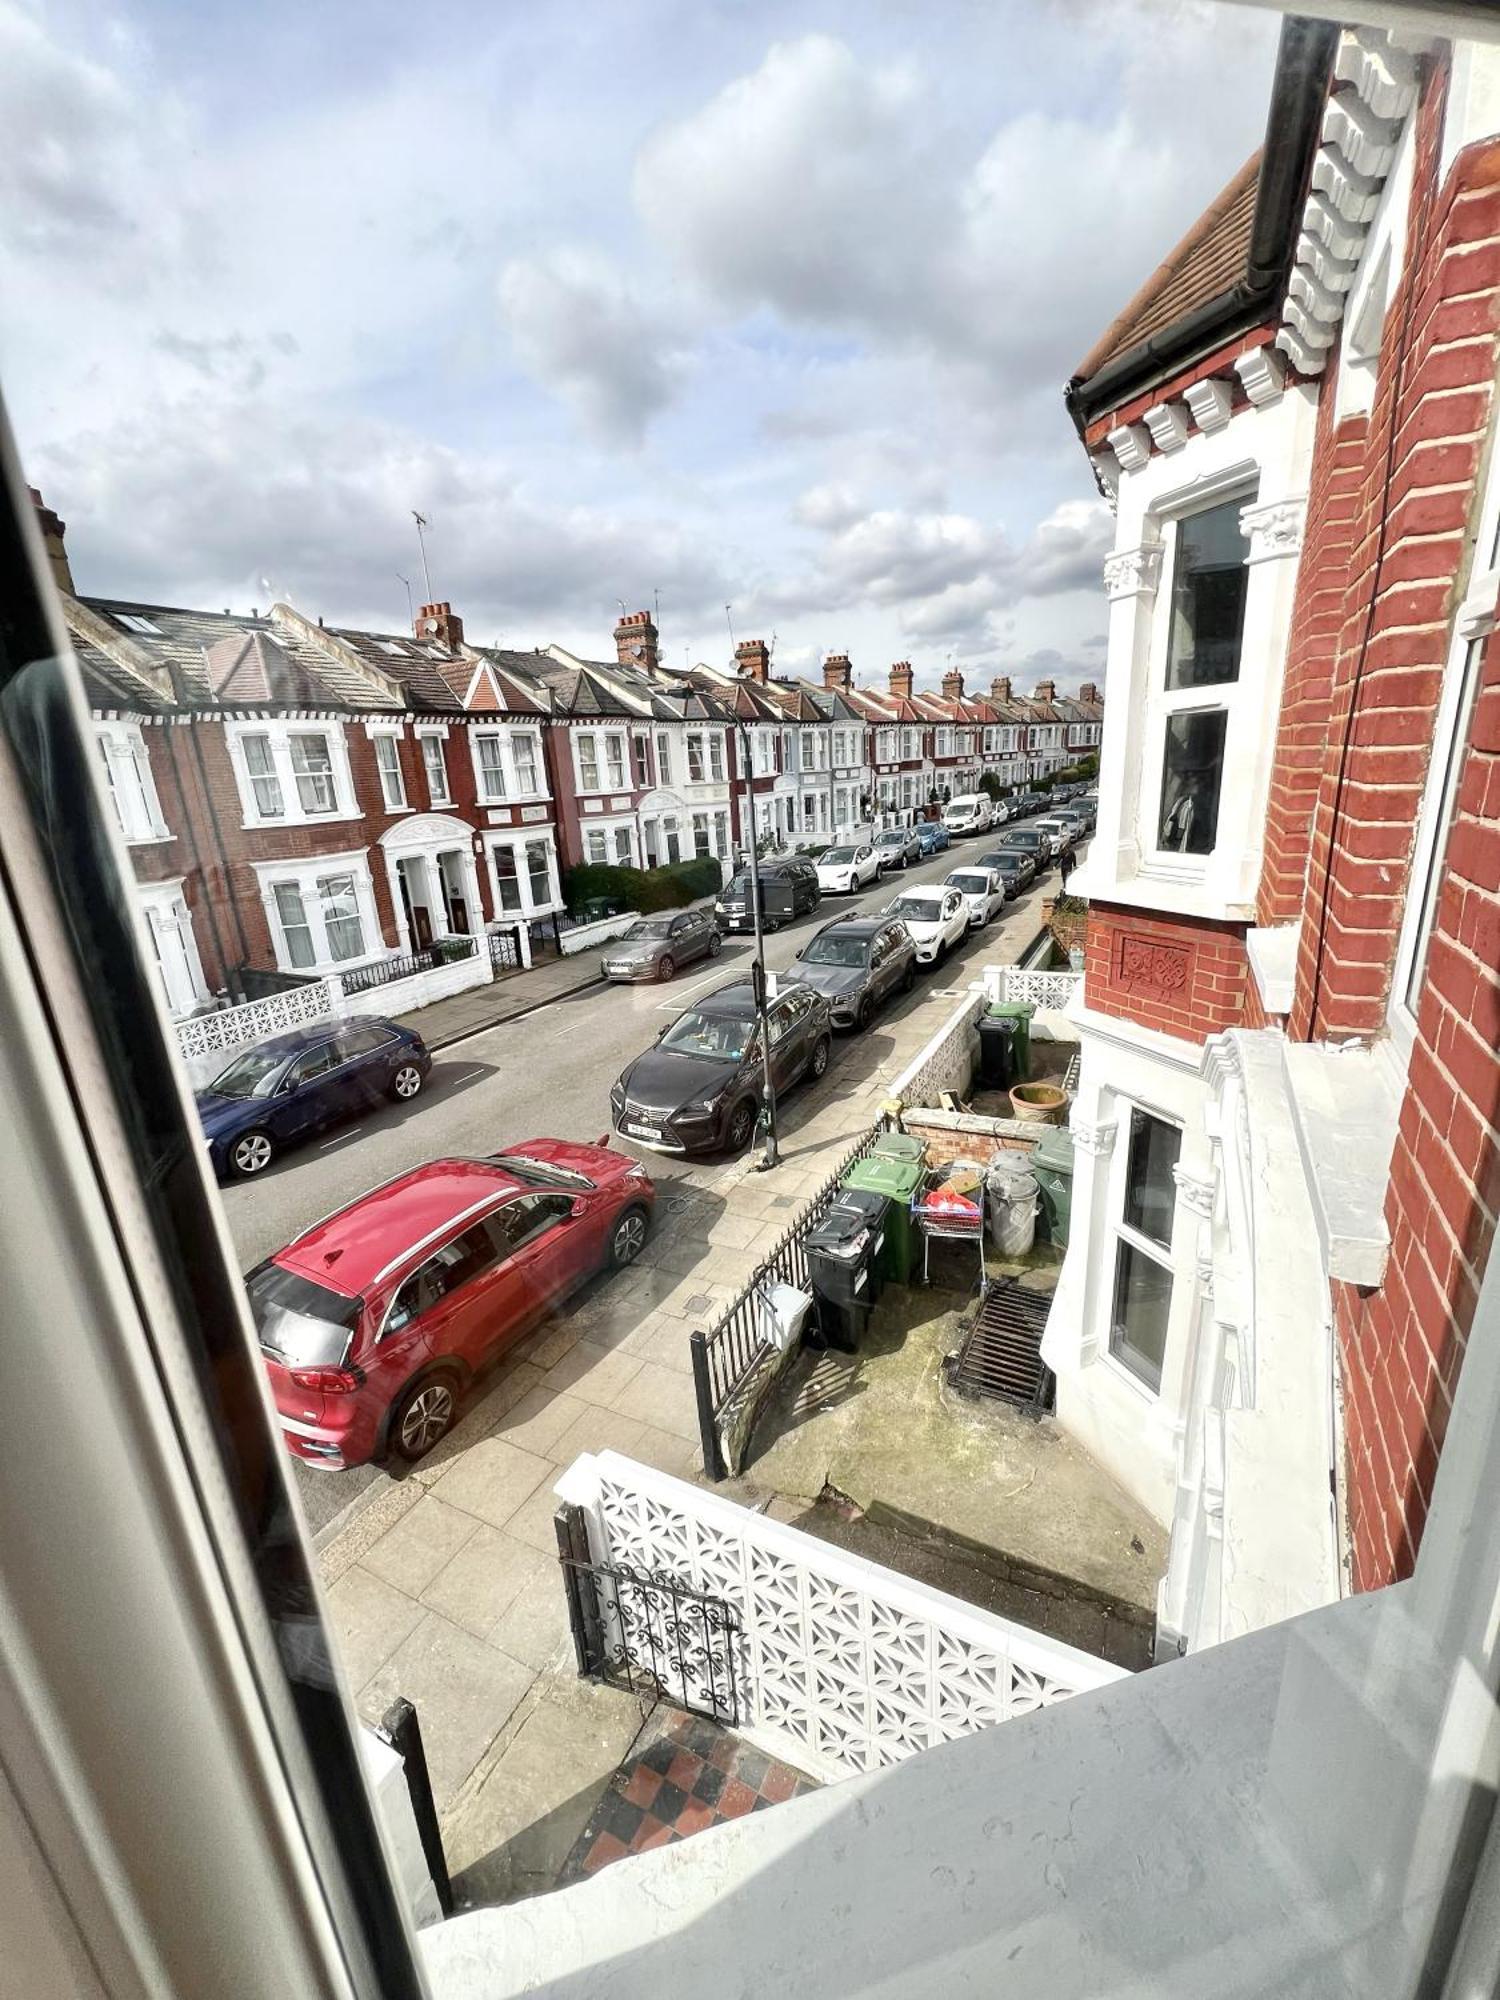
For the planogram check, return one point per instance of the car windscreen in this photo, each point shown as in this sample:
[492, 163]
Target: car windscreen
[739, 885]
[720, 1036]
[971, 884]
[918, 909]
[839, 857]
[651, 927]
[253, 1074]
[302, 1324]
[837, 951]
[891, 838]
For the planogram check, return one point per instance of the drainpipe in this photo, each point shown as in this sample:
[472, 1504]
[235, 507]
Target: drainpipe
[770, 1156]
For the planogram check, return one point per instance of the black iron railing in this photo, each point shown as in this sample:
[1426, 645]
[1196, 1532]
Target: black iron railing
[445, 951]
[648, 1634]
[727, 1355]
[505, 951]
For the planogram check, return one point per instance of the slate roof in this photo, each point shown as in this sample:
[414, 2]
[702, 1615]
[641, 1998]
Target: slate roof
[1206, 262]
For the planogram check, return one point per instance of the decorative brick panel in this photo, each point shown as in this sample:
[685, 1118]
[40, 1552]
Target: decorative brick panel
[1180, 975]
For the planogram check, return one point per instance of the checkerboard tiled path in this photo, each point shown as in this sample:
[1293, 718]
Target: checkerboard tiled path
[685, 1774]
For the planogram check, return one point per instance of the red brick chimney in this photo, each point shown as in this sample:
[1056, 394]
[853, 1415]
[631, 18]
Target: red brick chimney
[1045, 691]
[752, 659]
[437, 624]
[1089, 691]
[1000, 687]
[901, 680]
[637, 641]
[52, 541]
[953, 685]
[837, 672]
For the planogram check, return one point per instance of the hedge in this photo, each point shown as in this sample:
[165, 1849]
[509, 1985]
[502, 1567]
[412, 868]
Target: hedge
[642, 888]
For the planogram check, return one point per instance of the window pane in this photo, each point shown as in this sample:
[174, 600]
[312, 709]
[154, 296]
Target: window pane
[437, 770]
[614, 753]
[264, 783]
[623, 853]
[346, 937]
[1150, 1192]
[664, 759]
[295, 930]
[388, 758]
[314, 770]
[507, 878]
[1207, 609]
[524, 749]
[1192, 765]
[1428, 888]
[491, 767]
[538, 873]
[1138, 1326]
[597, 849]
[588, 764]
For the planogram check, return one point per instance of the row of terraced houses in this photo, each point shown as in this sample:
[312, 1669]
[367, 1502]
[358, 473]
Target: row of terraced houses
[301, 799]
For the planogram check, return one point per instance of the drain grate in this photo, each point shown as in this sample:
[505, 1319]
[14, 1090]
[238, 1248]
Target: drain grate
[698, 1303]
[1000, 1357]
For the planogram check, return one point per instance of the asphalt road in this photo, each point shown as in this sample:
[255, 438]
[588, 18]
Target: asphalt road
[546, 1074]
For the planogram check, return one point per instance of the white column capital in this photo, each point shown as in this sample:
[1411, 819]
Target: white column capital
[1132, 572]
[1095, 1140]
[1273, 529]
[1196, 1194]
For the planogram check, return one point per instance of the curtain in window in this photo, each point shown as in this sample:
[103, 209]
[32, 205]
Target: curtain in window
[437, 769]
[264, 783]
[491, 767]
[296, 931]
[341, 919]
[388, 760]
[523, 749]
[538, 873]
[312, 766]
[507, 878]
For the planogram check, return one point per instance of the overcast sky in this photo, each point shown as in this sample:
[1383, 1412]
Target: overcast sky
[759, 304]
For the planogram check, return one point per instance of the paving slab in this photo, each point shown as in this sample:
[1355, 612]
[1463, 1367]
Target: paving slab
[481, 1582]
[596, 1429]
[463, 1689]
[492, 1480]
[662, 1397]
[370, 1618]
[534, 1521]
[410, 1554]
[538, 1420]
[593, 1374]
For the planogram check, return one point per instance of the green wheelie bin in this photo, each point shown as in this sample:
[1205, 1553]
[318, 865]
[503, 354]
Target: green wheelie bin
[898, 1181]
[1052, 1164]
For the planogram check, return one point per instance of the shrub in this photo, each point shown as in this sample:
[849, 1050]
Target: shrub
[990, 785]
[642, 889]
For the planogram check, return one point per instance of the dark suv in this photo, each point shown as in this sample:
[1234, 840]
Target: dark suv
[788, 889]
[855, 962]
[699, 1089]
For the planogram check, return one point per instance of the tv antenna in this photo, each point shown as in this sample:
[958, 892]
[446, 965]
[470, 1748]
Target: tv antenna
[421, 521]
[411, 613]
[728, 608]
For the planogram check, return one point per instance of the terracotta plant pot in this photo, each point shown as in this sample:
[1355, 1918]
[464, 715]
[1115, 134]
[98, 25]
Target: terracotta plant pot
[1039, 1103]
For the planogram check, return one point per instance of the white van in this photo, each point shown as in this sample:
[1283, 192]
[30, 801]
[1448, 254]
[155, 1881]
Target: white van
[969, 813]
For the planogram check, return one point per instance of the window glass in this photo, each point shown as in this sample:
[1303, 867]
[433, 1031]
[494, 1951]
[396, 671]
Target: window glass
[491, 767]
[436, 768]
[588, 762]
[507, 876]
[614, 759]
[523, 749]
[341, 918]
[538, 873]
[264, 783]
[597, 850]
[624, 854]
[253, 1074]
[312, 764]
[458, 1263]
[1150, 1192]
[522, 1222]
[847, 951]
[388, 761]
[363, 1041]
[1138, 1323]
[317, 1062]
[302, 1324]
[296, 931]
[1192, 767]
[1207, 607]
[1427, 890]
[664, 759]
[695, 760]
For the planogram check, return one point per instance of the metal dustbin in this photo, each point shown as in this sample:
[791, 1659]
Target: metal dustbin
[898, 1181]
[899, 1146]
[1052, 1163]
[997, 1052]
[1019, 1013]
[1011, 1200]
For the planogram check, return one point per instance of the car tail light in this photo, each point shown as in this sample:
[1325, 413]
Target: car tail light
[330, 1381]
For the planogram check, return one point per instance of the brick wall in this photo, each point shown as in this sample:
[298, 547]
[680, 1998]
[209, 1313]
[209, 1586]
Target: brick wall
[1181, 975]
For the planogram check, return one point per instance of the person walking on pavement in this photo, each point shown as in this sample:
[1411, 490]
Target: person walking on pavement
[1064, 868]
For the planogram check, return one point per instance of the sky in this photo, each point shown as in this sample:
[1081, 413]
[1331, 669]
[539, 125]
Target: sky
[676, 303]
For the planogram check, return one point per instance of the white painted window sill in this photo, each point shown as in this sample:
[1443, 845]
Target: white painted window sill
[1346, 1102]
[1272, 952]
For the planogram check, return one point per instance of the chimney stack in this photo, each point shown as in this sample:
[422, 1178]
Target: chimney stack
[1000, 687]
[953, 685]
[53, 531]
[637, 642]
[437, 624]
[901, 680]
[752, 659]
[837, 672]
[1089, 692]
[1045, 691]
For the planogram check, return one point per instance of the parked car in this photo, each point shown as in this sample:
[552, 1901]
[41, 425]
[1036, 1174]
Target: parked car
[932, 836]
[656, 946]
[1026, 840]
[788, 889]
[855, 963]
[1031, 802]
[1059, 831]
[1013, 865]
[699, 1088]
[969, 813]
[374, 1321]
[936, 916]
[983, 893]
[897, 847]
[284, 1090]
[842, 870]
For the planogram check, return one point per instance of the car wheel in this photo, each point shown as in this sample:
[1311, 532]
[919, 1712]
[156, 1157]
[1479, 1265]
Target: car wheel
[251, 1154]
[666, 966]
[865, 1015]
[423, 1415]
[909, 977]
[406, 1082]
[741, 1126]
[628, 1238]
[715, 944]
[818, 1063]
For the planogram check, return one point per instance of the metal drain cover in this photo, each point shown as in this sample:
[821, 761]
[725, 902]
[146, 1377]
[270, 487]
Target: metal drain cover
[699, 1302]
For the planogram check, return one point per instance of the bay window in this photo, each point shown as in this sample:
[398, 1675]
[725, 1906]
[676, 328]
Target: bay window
[435, 764]
[507, 764]
[296, 931]
[524, 872]
[539, 872]
[1142, 1299]
[388, 763]
[341, 920]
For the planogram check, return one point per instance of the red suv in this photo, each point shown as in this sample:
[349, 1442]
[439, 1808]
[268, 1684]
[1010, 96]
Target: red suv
[375, 1320]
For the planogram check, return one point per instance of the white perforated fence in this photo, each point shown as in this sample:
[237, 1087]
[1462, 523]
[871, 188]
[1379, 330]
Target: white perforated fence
[210, 1039]
[845, 1666]
[1034, 987]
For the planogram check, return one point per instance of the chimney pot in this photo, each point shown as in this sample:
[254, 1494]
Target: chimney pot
[1000, 687]
[901, 679]
[837, 672]
[637, 641]
[53, 533]
[752, 660]
[1045, 691]
[438, 624]
[953, 685]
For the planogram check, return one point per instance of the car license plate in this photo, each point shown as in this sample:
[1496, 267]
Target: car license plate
[643, 1131]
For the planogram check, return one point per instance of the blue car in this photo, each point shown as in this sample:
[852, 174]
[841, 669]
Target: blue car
[284, 1090]
[933, 836]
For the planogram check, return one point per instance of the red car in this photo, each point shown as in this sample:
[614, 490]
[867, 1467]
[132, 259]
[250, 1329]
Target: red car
[374, 1322]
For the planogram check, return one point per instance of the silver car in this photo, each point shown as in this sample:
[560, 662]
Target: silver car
[656, 946]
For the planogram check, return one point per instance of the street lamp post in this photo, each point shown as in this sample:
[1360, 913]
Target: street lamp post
[767, 1121]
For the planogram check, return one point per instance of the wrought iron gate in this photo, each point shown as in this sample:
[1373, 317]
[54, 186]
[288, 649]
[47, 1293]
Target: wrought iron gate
[650, 1634]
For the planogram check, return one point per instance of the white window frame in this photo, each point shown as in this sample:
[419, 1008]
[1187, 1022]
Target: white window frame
[1120, 1231]
[664, 756]
[130, 783]
[434, 752]
[517, 841]
[504, 741]
[164, 906]
[281, 736]
[610, 747]
[380, 739]
[304, 875]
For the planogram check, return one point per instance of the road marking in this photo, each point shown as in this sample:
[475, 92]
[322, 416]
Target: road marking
[465, 1077]
[342, 1139]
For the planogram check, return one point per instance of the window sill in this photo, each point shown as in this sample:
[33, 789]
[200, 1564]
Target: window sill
[1272, 952]
[300, 820]
[1346, 1102]
[148, 839]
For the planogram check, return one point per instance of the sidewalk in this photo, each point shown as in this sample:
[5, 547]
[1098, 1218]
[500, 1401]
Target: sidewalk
[446, 1589]
[506, 999]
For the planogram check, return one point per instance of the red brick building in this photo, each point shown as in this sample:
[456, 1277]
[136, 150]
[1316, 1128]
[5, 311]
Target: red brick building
[1286, 1130]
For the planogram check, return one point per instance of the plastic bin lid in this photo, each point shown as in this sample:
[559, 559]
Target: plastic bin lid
[1055, 1150]
[1011, 1010]
[899, 1146]
[899, 1179]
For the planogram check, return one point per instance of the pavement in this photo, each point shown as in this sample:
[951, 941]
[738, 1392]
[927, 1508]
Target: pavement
[512, 998]
[442, 1578]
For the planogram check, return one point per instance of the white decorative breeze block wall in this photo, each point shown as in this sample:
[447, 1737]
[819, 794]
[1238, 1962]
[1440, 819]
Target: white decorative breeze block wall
[207, 1041]
[1023, 985]
[845, 1666]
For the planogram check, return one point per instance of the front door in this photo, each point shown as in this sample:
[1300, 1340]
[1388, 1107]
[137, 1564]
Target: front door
[411, 873]
[455, 896]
